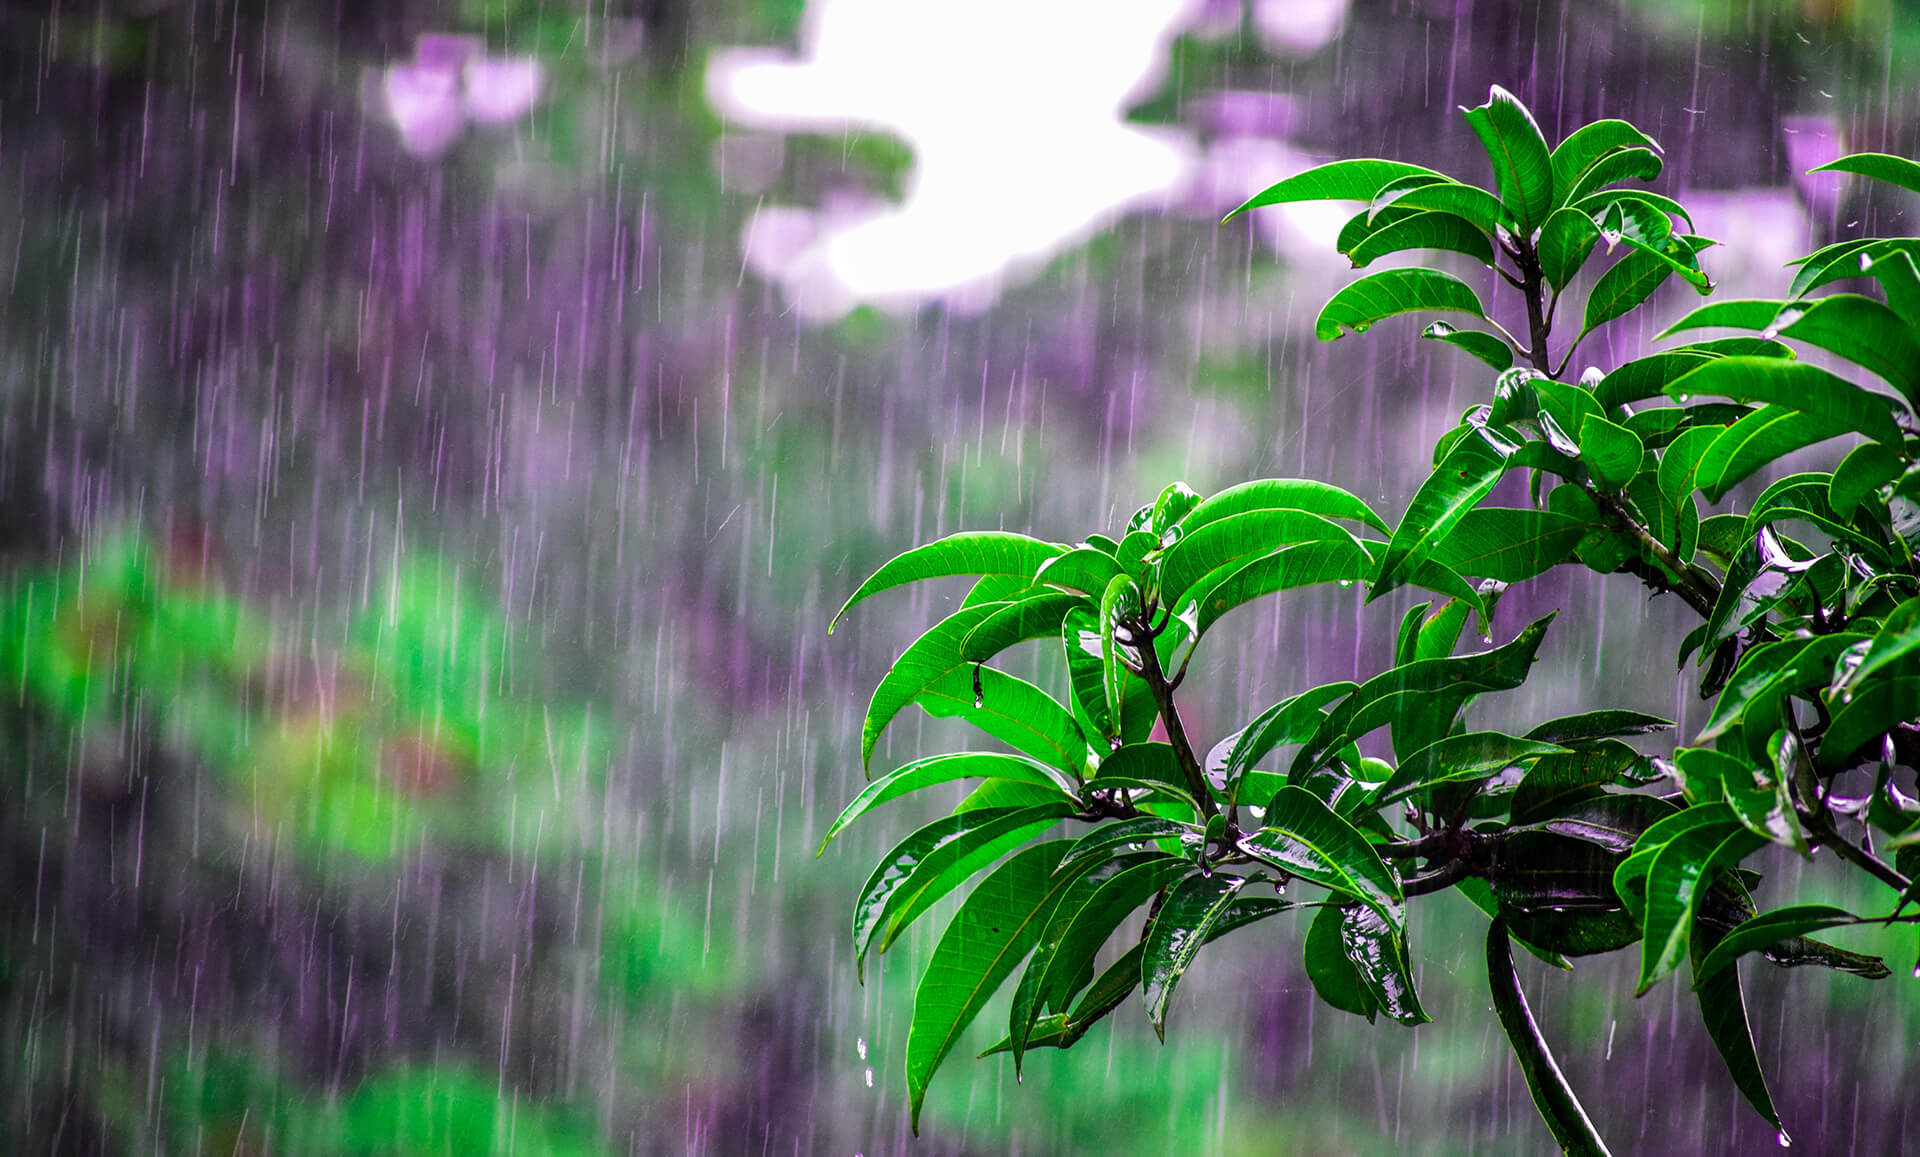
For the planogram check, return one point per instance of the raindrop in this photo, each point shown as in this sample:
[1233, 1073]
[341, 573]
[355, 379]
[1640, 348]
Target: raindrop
[870, 1085]
[1344, 583]
[1784, 1140]
[861, 1045]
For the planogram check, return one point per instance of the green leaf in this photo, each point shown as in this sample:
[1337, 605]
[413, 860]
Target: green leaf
[1629, 282]
[1033, 617]
[1175, 502]
[1594, 204]
[972, 552]
[1352, 180]
[1306, 494]
[1079, 933]
[1768, 929]
[1556, 780]
[1028, 997]
[1565, 241]
[1236, 540]
[1794, 385]
[1727, 314]
[882, 895]
[1552, 1095]
[1414, 687]
[1378, 949]
[1758, 797]
[930, 658]
[1644, 378]
[1846, 259]
[1610, 451]
[1618, 165]
[1424, 230]
[1305, 838]
[1149, 766]
[1675, 880]
[1471, 756]
[1591, 725]
[1224, 588]
[1475, 208]
[1612, 821]
[1898, 637]
[1333, 976]
[1861, 330]
[958, 860]
[1877, 166]
[1899, 278]
[1390, 292]
[1465, 476]
[994, 928]
[1440, 634]
[1522, 167]
[1119, 605]
[1865, 469]
[1587, 144]
[938, 769]
[1292, 720]
[1484, 346]
[1134, 832]
[1509, 545]
[1010, 709]
[1085, 569]
[1724, 1012]
[1873, 710]
[1189, 914]
[1757, 441]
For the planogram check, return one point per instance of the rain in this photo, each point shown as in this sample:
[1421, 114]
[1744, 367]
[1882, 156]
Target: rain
[435, 436]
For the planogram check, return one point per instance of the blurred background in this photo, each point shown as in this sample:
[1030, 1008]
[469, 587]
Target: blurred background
[434, 436]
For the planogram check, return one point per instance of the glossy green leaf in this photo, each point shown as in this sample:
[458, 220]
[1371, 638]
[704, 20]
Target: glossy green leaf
[1557, 780]
[1475, 208]
[1415, 686]
[1509, 545]
[1611, 820]
[1033, 617]
[1675, 879]
[1757, 441]
[1865, 469]
[1877, 166]
[1899, 277]
[1351, 180]
[1307, 564]
[1565, 241]
[994, 928]
[1555, 1099]
[958, 860]
[1758, 796]
[1333, 976]
[1591, 725]
[1378, 949]
[1482, 345]
[1028, 995]
[1861, 330]
[1183, 924]
[1522, 167]
[1390, 292]
[929, 659]
[1768, 929]
[972, 552]
[1723, 1009]
[1306, 494]
[1796, 386]
[1087, 928]
[1845, 258]
[938, 769]
[1612, 168]
[1457, 758]
[1292, 720]
[1175, 502]
[1630, 281]
[1897, 638]
[1465, 476]
[1085, 569]
[1611, 452]
[1012, 710]
[1588, 143]
[1424, 230]
[1236, 540]
[1644, 378]
[1119, 606]
[1871, 711]
[1149, 766]
[1303, 837]
[1139, 832]
[1734, 313]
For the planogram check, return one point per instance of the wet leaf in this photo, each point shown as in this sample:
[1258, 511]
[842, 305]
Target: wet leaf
[1307, 494]
[968, 553]
[1865, 469]
[1351, 180]
[1757, 441]
[1424, 230]
[1475, 755]
[1305, 838]
[1522, 168]
[1236, 540]
[1465, 476]
[1589, 143]
[995, 927]
[1010, 709]
[1610, 451]
[1877, 166]
[1555, 1099]
[1191, 910]
[938, 769]
[1796, 386]
[1394, 291]
[1333, 976]
[1475, 208]
[1724, 1012]
[1565, 241]
[1377, 947]
[1292, 720]
[1675, 879]
[1603, 724]
[1511, 545]
[1033, 617]
[1768, 929]
[1480, 344]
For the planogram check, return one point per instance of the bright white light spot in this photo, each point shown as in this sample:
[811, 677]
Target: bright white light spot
[423, 101]
[500, 90]
[1014, 112]
[1300, 27]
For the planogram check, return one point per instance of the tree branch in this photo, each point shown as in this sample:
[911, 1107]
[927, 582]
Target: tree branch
[1176, 733]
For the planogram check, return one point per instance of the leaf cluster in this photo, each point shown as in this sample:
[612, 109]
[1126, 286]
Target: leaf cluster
[1570, 838]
